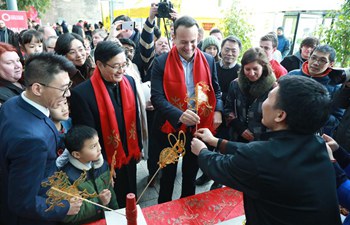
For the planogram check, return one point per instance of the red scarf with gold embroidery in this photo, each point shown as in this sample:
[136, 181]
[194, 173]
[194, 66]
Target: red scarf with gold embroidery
[109, 123]
[176, 91]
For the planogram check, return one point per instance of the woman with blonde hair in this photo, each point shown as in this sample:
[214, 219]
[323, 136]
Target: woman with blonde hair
[10, 72]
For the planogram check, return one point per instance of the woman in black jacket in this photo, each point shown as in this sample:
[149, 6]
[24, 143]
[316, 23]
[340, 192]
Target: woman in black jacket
[246, 95]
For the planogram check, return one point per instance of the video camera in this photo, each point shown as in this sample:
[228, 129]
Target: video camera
[164, 9]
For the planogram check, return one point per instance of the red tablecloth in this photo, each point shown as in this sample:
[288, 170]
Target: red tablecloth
[202, 209]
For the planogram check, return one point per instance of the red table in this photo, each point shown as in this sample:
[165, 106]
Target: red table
[202, 209]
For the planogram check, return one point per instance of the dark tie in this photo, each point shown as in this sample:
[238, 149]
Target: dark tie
[117, 94]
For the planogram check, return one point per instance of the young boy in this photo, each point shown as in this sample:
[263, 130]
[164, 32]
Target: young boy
[85, 155]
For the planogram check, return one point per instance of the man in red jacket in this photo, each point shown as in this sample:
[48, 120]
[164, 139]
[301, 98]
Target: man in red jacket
[269, 44]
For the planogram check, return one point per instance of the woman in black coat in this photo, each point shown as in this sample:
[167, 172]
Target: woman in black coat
[246, 95]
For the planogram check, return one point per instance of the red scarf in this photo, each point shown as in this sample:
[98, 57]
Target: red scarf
[176, 92]
[305, 69]
[109, 123]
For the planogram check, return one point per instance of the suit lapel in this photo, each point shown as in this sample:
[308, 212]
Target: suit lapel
[52, 126]
[40, 115]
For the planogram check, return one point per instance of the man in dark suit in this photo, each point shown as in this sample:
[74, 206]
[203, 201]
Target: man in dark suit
[175, 77]
[6, 35]
[287, 177]
[108, 103]
[29, 143]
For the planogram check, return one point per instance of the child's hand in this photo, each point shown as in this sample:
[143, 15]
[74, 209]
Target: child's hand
[74, 206]
[105, 196]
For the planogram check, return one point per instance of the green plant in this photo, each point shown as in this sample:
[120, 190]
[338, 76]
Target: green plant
[337, 35]
[235, 23]
[40, 5]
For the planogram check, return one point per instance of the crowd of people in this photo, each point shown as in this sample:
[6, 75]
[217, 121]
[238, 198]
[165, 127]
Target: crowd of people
[88, 100]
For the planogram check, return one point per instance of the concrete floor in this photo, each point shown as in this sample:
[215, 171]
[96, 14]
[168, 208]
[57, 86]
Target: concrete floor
[150, 196]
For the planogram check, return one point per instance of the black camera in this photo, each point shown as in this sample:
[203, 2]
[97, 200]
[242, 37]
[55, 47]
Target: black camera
[164, 9]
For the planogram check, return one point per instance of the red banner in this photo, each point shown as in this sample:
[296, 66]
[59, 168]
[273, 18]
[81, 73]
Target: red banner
[14, 20]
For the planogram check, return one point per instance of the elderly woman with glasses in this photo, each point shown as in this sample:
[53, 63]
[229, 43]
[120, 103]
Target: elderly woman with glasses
[10, 72]
[72, 47]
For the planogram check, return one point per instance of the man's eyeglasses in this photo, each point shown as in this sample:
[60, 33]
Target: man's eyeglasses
[118, 67]
[65, 90]
[320, 61]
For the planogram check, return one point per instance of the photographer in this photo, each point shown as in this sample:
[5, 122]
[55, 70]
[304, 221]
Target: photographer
[147, 43]
[132, 34]
[149, 50]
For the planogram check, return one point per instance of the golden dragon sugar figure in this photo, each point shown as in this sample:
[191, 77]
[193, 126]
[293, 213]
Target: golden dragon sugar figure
[61, 189]
[169, 155]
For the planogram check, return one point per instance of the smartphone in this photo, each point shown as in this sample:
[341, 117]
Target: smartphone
[128, 25]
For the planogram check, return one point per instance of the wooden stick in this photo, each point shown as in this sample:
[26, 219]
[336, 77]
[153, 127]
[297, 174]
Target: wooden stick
[150, 181]
[86, 200]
